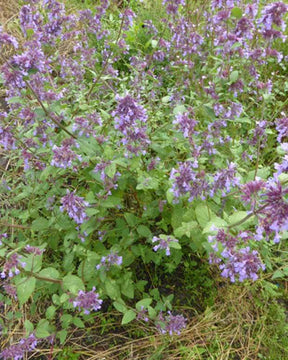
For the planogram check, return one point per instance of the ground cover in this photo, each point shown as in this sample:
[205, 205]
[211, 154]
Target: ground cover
[143, 191]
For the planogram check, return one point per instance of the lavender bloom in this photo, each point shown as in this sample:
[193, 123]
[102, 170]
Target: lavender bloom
[164, 243]
[17, 351]
[75, 207]
[88, 301]
[282, 128]
[272, 15]
[11, 266]
[34, 250]
[224, 180]
[109, 260]
[274, 216]
[10, 290]
[171, 324]
[64, 156]
[7, 39]
[243, 264]
[250, 192]
[186, 181]
[129, 120]
[186, 124]
[172, 6]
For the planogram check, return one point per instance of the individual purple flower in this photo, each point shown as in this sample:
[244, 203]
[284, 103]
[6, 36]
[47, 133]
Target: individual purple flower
[74, 206]
[107, 261]
[18, 351]
[87, 301]
[164, 243]
[11, 266]
[171, 324]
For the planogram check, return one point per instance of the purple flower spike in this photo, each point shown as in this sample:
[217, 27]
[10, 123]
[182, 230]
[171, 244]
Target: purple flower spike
[75, 207]
[88, 301]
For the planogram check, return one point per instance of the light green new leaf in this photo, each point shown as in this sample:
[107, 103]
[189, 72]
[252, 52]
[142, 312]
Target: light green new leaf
[129, 316]
[25, 288]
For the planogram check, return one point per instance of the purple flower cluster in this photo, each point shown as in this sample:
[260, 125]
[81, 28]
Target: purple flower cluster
[7, 39]
[74, 206]
[11, 266]
[236, 262]
[130, 118]
[187, 123]
[109, 183]
[164, 243]
[109, 260]
[186, 181]
[87, 301]
[64, 156]
[171, 324]
[273, 218]
[17, 351]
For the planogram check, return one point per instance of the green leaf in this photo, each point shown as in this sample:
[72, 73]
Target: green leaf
[129, 316]
[50, 312]
[25, 288]
[179, 109]
[165, 99]
[234, 76]
[62, 335]
[144, 231]
[66, 320]
[169, 196]
[278, 274]
[110, 170]
[186, 229]
[33, 262]
[50, 273]
[147, 182]
[42, 329]
[40, 224]
[203, 214]
[215, 222]
[63, 298]
[112, 289]
[78, 322]
[175, 245]
[131, 219]
[29, 327]
[73, 284]
[236, 12]
[120, 307]
[143, 303]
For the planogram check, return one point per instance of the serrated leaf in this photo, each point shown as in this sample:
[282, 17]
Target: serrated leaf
[120, 307]
[62, 335]
[29, 327]
[234, 76]
[179, 109]
[25, 288]
[42, 329]
[73, 284]
[278, 274]
[50, 312]
[143, 303]
[40, 224]
[112, 289]
[236, 12]
[169, 196]
[50, 273]
[78, 322]
[215, 222]
[144, 231]
[203, 214]
[129, 316]
[175, 245]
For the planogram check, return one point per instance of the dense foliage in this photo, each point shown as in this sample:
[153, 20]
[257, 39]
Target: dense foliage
[136, 145]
